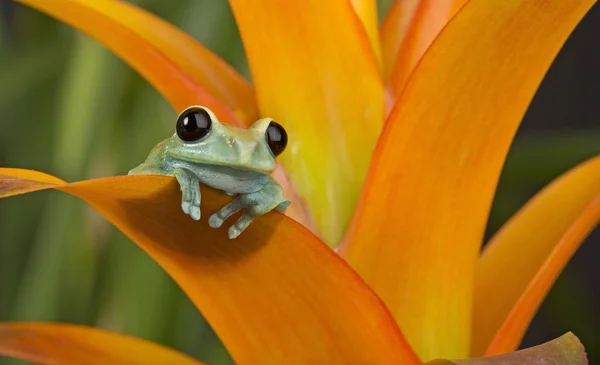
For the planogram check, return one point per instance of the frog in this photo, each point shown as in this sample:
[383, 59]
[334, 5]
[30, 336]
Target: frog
[235, 160]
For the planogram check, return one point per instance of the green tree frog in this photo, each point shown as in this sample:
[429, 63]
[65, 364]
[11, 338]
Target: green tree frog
[237, 161]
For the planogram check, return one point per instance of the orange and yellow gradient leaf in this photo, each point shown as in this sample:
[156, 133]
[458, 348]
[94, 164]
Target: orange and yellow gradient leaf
[62, 344]
[274, 295]
[526, 256]
[435, 169]
[139, 43]
[314, 70]
[427, 22]
[393, 31]
[367, 13]
[182, 70]
[565, 350]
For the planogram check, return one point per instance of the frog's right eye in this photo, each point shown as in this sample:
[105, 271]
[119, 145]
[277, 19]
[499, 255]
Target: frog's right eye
[193, 124]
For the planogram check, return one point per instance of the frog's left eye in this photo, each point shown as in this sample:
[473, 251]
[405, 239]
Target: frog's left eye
[193, 124]
[276, 138]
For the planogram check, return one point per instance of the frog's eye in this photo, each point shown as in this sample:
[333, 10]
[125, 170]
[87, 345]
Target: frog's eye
[276, 138]
[193, 124]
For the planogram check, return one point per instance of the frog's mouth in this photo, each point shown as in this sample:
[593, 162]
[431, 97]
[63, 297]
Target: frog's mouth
[224, 164]
[244, 154]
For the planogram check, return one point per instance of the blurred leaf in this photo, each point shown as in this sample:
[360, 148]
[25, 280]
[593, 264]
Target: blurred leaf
[23, 72]
[532, 162]
[50, 290]
[383, 6]
[212, 24]
[535, 160]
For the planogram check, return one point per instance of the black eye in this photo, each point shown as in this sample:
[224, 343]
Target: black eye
[276, 138]
[193, 124]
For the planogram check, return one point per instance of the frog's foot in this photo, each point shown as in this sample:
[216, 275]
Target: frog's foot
[216, 220]
[254, 205]
[281, 207]
[190, 193]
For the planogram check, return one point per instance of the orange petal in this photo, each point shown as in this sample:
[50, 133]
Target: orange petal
[367, 13]
[18, 181]
[315, 72]
[565, 350]
[429, 19]
[393, 31]
[418, 230]
[156, 51]
[275, 295]
[62, 344]
[526, 256]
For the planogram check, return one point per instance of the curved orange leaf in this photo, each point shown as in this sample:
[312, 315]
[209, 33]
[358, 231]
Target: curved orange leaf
[62, 344]
[393, 31]
[418, 230]
[565, 350]
[149, 54]
[315, 71]
[367, 13]
[274, 295]
[428, 20]
[19, 181]
[526, 256]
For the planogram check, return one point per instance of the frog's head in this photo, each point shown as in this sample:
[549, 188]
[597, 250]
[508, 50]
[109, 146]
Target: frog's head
[201, 138]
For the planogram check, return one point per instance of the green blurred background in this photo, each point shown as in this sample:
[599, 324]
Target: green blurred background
[70, 108]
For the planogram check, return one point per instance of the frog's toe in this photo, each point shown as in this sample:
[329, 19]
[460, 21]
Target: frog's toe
[185, 206]
[234, 232]
[215, 221]
[240, 225]
[282, 206]
[195, 212]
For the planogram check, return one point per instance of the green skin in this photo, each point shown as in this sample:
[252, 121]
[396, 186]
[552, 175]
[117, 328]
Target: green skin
[237, 161]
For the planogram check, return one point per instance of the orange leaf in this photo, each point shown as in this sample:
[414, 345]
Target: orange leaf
[62, 344]
[526, 256]
[393, 31]
[565, 350]
[274, 295]
[19, 181]
[418, 230]
[429, 19]
[174, 64]
[367, 13]
[314, 70]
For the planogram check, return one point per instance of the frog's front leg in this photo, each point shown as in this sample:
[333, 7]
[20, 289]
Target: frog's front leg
[190, 192]
[269, 197]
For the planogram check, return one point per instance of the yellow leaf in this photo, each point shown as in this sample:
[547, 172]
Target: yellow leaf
[315, 72]
[417, 233]
[367, 13]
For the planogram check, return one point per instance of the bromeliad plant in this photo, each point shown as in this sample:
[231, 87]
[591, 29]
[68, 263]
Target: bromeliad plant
[397, 139]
